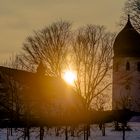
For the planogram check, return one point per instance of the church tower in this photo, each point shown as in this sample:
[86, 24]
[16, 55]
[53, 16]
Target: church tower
[126, 69]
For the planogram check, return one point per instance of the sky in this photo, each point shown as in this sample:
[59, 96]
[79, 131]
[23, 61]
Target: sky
[19, 18]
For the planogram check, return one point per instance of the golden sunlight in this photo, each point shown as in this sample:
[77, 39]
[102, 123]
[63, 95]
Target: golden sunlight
[69, 76]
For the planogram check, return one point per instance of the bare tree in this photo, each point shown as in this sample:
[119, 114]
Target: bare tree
[132, 8]
[11, 93]
[49, 45]
[92, 53]
[101, 102]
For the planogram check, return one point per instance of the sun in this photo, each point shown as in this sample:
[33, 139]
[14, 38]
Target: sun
[70, 77]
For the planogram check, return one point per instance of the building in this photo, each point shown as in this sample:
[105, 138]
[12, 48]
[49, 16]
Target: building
[35, 97]
[126, 69]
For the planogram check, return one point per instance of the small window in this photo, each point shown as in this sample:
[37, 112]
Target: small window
[127, 87]
[138, 66]
[127, 66]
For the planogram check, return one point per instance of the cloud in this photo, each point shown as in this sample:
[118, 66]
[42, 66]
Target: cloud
[20, 17]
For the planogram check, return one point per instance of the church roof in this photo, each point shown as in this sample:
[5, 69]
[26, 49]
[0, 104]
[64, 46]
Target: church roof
[51, 87]
[49, 98]
[127, 42]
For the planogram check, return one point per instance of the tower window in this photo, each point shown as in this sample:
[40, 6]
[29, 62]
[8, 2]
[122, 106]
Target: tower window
[138, 66]
[127, 66]
[127, 87]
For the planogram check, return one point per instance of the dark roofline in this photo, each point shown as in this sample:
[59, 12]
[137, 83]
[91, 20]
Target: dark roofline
[26, 76]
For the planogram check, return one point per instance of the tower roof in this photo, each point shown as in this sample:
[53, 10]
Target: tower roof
[127, 42]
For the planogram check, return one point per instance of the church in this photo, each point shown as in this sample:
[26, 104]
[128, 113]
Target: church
[35, 97]
[126, 69]
[38, 90]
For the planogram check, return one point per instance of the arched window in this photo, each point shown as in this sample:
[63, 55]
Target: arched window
[127, 87]
[127, 66]
[138, 66]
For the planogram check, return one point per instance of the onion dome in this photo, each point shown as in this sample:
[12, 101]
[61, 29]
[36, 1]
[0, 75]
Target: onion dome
[127, 42]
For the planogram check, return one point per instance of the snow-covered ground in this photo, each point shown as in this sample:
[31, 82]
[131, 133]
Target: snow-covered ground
[95, 134]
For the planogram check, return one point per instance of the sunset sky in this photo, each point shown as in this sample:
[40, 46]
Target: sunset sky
[18, 18]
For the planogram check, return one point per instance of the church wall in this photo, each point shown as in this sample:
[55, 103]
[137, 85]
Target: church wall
[126, 83]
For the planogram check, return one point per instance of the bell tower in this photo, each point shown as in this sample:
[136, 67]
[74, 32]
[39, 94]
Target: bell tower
[126, 69]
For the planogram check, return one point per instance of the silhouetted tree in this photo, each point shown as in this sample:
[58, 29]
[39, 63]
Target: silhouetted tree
[132, 8]
[11, 93]
[91, 50]
[49, 45]
[19, 94]
[92, 53]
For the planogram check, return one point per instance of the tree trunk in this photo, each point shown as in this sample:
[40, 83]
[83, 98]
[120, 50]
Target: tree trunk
[103, 129]
[84, 132]
[88, 127]
[26, 133]
[66, 133]
[72, 131]
[7, 133]
[11, 131]
[41, 133]
[87, 132]
[123, 129]
[116, 126]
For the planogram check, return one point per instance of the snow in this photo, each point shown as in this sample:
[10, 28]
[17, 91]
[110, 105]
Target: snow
[96, 134]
